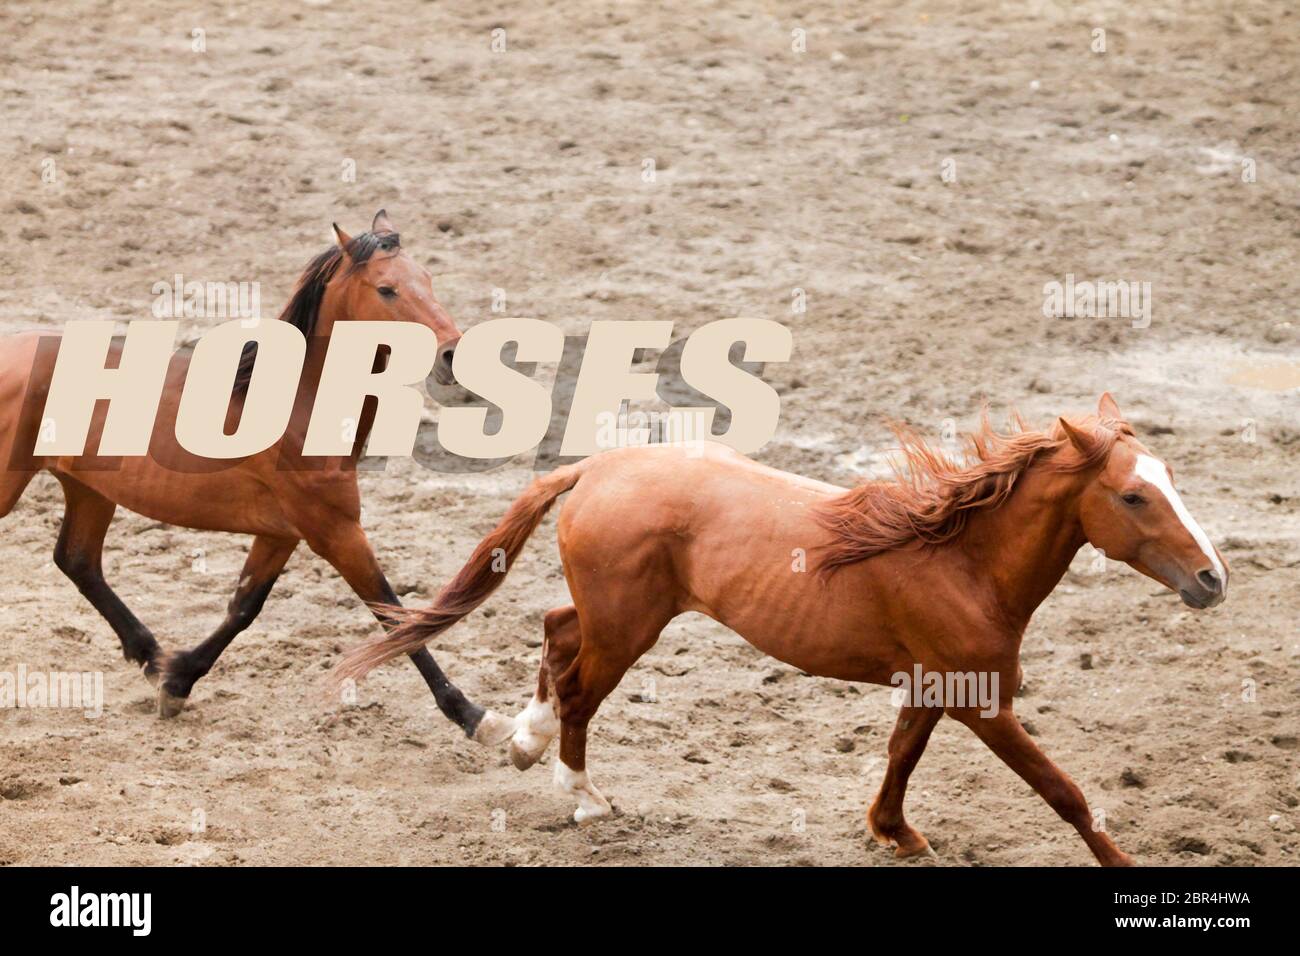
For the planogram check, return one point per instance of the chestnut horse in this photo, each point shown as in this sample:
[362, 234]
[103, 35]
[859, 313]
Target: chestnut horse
[941, 568]
[277, 496]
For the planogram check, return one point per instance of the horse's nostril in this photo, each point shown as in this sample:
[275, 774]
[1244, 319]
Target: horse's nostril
[442, 370]
[1209, 579]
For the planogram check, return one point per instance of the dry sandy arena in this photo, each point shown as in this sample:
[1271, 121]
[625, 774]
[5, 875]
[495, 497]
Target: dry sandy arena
[822, 170]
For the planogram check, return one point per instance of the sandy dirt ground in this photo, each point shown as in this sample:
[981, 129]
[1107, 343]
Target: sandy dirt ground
[775, 170]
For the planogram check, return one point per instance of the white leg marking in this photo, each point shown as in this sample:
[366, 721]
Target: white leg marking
[1153, 471]
[494, 729]
[576, 783]
[535, 727]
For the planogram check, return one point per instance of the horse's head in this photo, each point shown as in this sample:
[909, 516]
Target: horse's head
[379, 281]
[1131, 511]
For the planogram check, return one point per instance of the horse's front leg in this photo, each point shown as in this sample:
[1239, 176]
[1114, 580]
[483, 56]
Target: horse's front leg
[345, 546]
[1006, 738]
[266, 559]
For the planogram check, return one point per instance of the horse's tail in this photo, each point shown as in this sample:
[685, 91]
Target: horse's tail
[482, 573]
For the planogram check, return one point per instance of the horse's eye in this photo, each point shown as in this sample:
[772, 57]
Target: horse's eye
[1132, 500]
[388, 292]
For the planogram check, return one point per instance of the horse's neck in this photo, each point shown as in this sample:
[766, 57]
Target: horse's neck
[318, 342]
[309, 382]
[1026, 545]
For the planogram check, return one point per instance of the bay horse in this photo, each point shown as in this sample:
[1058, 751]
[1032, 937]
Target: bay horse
[941, 568]
[278, 496]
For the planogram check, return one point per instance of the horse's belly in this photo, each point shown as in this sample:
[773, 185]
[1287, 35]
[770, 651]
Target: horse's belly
[823, 648]
[228, 500]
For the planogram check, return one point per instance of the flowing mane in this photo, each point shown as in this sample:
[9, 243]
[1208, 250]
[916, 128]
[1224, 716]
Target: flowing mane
[933, 494]
[304, 305]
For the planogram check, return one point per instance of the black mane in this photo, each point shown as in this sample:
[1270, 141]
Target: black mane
[304, 306]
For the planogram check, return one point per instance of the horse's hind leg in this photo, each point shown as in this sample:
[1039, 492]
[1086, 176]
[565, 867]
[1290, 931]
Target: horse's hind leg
[583, 672]
[266, 559]
[906, 745]
[537, 724]
[79, 555]
[12, 486]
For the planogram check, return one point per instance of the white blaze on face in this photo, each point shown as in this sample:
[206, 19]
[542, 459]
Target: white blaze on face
[1153, 472]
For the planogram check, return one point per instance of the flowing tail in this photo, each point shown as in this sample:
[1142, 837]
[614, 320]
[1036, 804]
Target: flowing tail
[481, 575]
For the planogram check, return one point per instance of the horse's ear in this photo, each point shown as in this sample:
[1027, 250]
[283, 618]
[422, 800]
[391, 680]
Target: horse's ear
[343, 238]
[382, 223]
[1078, 438]
[1107, 407]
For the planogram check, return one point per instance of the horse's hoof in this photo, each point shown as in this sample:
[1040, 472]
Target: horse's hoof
[169, 705]
[494, 729]
[150, 672]
[527, 747]
[907, 852]
[906, 841]
[521, 758]
[585, 816]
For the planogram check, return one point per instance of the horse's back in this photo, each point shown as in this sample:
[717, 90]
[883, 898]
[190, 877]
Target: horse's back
[686, 474]
[702, 493]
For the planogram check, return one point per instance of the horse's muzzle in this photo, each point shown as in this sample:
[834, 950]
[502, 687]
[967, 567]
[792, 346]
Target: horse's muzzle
[1207, 590]
[442, 372]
